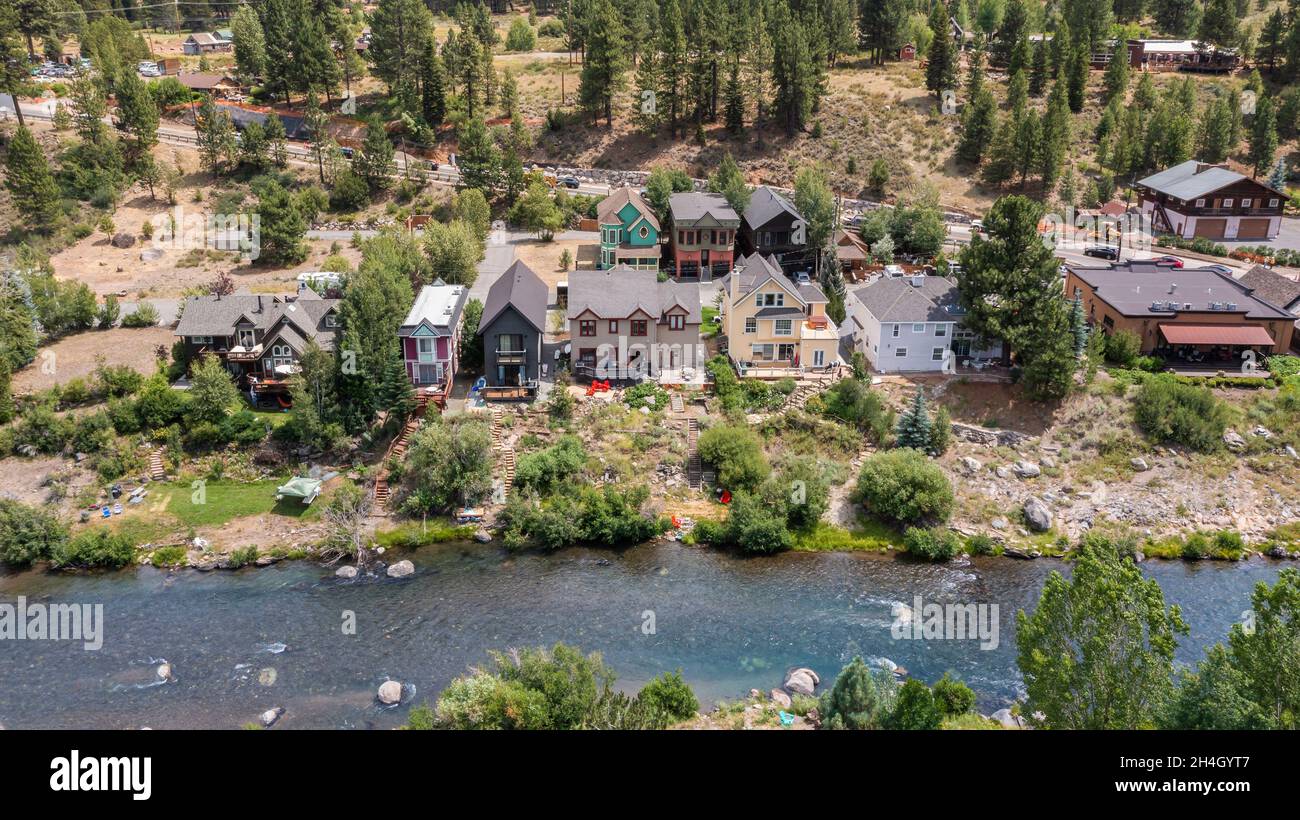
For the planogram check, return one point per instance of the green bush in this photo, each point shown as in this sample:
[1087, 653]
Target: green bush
[933, 544]
[28, 534]
[670, 695]
[853, 402]
[578, 514]
[953, 697]
[757, 526]
[350, 193]
[145, 315]
[981, 544]
[99, 548]
[242, 557]
[168, 557]
[904, 488]
[1196, 546]
[545, 469]
[1170, 412]
[42, 428]
[736, 452]
[646, 394]
[1123, 347]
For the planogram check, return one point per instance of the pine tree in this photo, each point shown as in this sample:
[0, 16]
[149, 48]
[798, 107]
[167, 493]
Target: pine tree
[1078, 327]
[1001, 165]
[941, 71]
[1055, 136]
[276, 145]
[29, 181]
[672, 66]
[1078, 77]
[1116, 76]
[317, 123]
[250, 44]
[604, 63]
[433, 107]
[914, 427]
[735, 105]
[137, 115]
[216, 136]
[794, 70]
[374, 163]
[281, 225]
[1038, 72]
[979, 121]
[1216, 132]
[395, 394]
[399, 35]
[1278, 179]
[278, 17]
[1263, 135]
[1008, 47]
[480, 161]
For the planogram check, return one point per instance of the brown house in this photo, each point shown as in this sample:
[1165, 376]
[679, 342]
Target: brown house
[1194, 199]
[1188, 314]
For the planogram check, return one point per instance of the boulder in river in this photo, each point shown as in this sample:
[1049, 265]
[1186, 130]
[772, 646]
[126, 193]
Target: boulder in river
[165, 671]
[348, 571]
[801, 681]
[390, 692]
[483, 536]
[401, 569]
[270, 716]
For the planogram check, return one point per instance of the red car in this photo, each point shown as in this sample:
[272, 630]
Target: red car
[1172, 261]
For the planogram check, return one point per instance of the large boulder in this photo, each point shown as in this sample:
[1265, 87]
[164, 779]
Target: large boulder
[401, 569]
[347, 571]
[1027, 469]
[1234, 440]
[781, 699]
[1037, 514]
[123, 240]
[270, 716]
[800, 682]
[971, 465]
[390, 692]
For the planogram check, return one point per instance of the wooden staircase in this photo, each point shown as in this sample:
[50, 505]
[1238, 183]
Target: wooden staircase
[507, 453]
[397, 450]
[694, 469]
[157, 472]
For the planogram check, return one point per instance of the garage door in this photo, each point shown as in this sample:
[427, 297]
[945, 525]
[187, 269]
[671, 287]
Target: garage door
[1211, 228]
[1253, 229]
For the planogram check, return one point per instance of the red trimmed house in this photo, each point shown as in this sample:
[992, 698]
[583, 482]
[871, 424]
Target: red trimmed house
[703, 236]
[430, 336]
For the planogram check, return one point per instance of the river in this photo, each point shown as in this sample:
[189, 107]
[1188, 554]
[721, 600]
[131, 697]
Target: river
[729, 623]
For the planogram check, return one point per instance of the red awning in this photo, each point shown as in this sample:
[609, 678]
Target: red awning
[1216, 335]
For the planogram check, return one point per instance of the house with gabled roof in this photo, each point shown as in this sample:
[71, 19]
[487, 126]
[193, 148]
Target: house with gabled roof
[772, 226]
[206, 43]
[512, 326]
[430, 336]
[626, 324]
[775, 326]
[260, 338]
[1276, 289]
[1202, 199]
[703, 235]
[629, 231]
[913, 324]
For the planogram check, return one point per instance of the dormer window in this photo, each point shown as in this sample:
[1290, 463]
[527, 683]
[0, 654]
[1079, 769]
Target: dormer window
[331, 320]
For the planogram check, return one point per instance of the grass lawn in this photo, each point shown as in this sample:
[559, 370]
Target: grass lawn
[868, 535]
[707, 328]
[224, 501]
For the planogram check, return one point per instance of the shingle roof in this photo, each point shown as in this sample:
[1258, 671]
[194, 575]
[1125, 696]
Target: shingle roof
[213, 316]
[755, 269]
[692, 206]
[1133, 287]
[607, 210]
[765, 204]
[1192, 179]
[521, 289]
[935, 299]
[1271, 286]
[620, 291]
[438, 305]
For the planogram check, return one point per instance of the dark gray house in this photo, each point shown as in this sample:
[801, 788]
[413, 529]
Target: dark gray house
[514, 320]
[773, 227]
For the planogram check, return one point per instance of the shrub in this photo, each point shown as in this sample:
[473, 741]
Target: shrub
[860, 698]
[243, 428]
[646, 394]
[915, 709]
[903, 487]
[757, 526]
[242, 557]
[116, 381]
[145, 315]
[981, 544]
[27, 534]
[1123, 347]
[40, 427]
[520, 36]
[1196, 546]
[578, 514]
[551, 28]
[545, 469]
[168, 557]
[528, 689]
[932, 544]
[1170, 412]
[851, 401]
[350, 192]
[670, 695]
[737, 454]
[97, 548]
[953, 697]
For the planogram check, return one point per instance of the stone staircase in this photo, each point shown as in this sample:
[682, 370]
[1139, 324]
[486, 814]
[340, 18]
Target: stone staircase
[677, 403]
[157, 472]
[694, 469]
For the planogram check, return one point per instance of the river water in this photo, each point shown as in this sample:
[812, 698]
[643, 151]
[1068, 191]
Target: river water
[243, 642]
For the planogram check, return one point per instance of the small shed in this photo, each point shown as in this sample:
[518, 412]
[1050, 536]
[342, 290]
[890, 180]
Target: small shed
[908, 52]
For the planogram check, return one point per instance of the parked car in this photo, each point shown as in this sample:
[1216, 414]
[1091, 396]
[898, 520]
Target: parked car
[570, 182]
[976, 226]
[1173, 261]
[1102, 252]
[346, 152]
[802, 277]
[1223, 269]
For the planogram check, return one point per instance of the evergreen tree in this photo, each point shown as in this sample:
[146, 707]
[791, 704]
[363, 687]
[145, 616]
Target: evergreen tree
[29, 181]
[1263, 135]
[1116, 77]
[216, 136]
[480, 161]
[1278, 179]
[914, 428]
[1038, 72]
[1216, 132]
[137, 115]
[1008, 48]
[282, 226]
[1055, 137]
[276, 141]
[941, 70]
[979, 121]
[433, 86]
[1078, 326]
[1001, 165]
[317, 123]
[1078, 77]
[278, 20]
[250, 44]
[399, 34]
[604, 63]
[794, 70]
[859, 699]
[672, 66]
[730, 182]
[735, 105]
[374, 163]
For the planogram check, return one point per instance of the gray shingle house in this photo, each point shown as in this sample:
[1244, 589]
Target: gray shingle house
[909, 323]
[772, 225]
[513, 323]
[260, 338]
[626, 324]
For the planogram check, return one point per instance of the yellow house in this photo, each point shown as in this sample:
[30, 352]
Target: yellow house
[775, 326]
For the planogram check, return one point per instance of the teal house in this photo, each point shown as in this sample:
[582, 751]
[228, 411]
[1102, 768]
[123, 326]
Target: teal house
[629, 231]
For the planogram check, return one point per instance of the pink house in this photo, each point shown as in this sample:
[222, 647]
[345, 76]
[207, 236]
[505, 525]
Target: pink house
[430, 335]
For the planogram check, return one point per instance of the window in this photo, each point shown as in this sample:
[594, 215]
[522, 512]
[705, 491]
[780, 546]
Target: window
[246, 339]
[918, 327]
[1246, 202]
[425, 349]
[639, 327]
[677, 322]
[613, 325]
[644, 231]
[1272, 203]
[200, 340]
[281, 351]
[936, 354]
[819, 358]
[900, 352]
[940, 329]
[896, 330]
[782, 327]
[331, 320]
[771, 300]
[1200, 203]
[587, 327]
[751, 325]
[1227, 203]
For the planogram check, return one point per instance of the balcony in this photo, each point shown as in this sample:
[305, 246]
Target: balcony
[239, 353]
[512, 356]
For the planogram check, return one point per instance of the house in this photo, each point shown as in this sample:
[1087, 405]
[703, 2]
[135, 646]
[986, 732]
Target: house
[1194, 199]
[913, 324]
[1276, 289]
[1180, 55]
[1196, 314]
[224, 35]
[772, 226]
[260, 338]
[773, 325]
[212, 84]
[205, 43]
[512, 326]
[703, 235]
[626, 324]
[430, 336]
[629, 231]
[852, 252]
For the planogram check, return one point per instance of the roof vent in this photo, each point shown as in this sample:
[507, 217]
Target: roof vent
[1232, 306]
[1173, 287]
[918, 281]
[1187, 306]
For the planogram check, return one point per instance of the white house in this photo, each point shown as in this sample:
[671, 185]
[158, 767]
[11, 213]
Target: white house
[910, 323]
